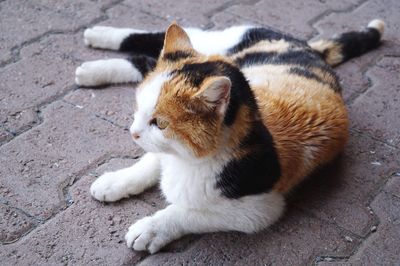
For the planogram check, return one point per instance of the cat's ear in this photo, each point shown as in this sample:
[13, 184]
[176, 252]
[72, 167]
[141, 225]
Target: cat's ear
[176, 39]
[215, 92]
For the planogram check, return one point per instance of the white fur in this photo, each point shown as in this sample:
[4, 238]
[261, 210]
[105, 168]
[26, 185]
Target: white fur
[198, 207]
[196, 204]
[133, 180]
[150, 138]
[248, 214]
[107, 37]
[215, 42]
[378, 25]
[100, 72]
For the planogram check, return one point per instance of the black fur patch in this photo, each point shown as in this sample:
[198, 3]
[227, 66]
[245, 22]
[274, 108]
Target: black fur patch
[256, 58]
[357, 43]
[176, 56]
[149, 44]
[253, 36]
[255, 173]
[240, 91]
[301, 58]
[143, 63]
[305, 73]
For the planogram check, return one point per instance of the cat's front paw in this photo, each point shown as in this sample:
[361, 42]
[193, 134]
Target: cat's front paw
[108, 188]
[149, 234]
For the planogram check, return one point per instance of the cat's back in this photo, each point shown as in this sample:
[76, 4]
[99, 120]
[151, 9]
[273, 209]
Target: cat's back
[300, 101]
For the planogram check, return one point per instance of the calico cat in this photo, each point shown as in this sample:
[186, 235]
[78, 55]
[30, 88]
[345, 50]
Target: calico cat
[230, 121]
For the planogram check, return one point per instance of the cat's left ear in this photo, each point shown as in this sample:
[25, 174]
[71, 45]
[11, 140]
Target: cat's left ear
[215, 92]
[176, 39]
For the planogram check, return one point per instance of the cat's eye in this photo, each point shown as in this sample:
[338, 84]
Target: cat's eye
[159, 122]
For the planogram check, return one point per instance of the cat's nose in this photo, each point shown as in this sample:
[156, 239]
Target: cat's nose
[135, 135]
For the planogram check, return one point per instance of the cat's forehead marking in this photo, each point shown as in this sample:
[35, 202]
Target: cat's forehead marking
[148, 95]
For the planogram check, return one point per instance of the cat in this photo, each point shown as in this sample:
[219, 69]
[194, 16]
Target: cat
[230, 121]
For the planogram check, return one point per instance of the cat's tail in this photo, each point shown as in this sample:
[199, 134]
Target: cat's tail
[350, 44]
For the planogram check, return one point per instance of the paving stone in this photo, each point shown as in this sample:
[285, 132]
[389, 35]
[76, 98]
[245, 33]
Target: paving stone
[381, 247]
[341, 191]
[225, 19]
[40, 163]
[112, 103]
[295, 240]
[187, 13]
[287, 15]
[377, 111]
[25, 87]
[4, 135]
[87, 233]
[359, 18]
[22, 21]
[127, 16]
[13, 224]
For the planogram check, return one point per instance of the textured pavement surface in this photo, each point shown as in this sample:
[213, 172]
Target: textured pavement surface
[55, 138]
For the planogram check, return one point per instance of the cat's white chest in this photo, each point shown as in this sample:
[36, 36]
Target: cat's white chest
[187, 184]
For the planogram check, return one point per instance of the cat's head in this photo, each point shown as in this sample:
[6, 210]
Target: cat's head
[182, 106]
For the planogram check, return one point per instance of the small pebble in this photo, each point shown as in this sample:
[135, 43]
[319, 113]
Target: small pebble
[348, 239]
[373, 228]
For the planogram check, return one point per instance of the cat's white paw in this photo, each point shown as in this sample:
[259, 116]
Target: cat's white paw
[109, 188]
[109, 71]
[148, 234]
[106, 37]
[88, 74]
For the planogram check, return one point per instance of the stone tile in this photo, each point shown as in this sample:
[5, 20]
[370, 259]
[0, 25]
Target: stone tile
[359, 18]
[4, 135]
[87, 233]
[41, 162]
[44, 73]
[292, 17]
[112, 103]
[295, 240]
[13, 224]
[187, 13]
[25, 87]
[24, 21]
[224, 20]
[341, 191]
[381, 247]
[127, 16]
[376, 112]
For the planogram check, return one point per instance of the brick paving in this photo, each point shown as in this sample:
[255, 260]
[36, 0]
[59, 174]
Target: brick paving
[55, 138]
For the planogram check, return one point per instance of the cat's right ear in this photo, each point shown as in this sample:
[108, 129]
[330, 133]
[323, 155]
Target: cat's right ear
[215, 93]
[176, 39]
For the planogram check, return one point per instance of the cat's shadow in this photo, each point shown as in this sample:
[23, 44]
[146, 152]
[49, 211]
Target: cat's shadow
[319, 186]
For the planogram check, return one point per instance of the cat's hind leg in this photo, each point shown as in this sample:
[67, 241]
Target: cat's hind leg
[113, 71]
[129, 181]
[107, 37]
[125, 40]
